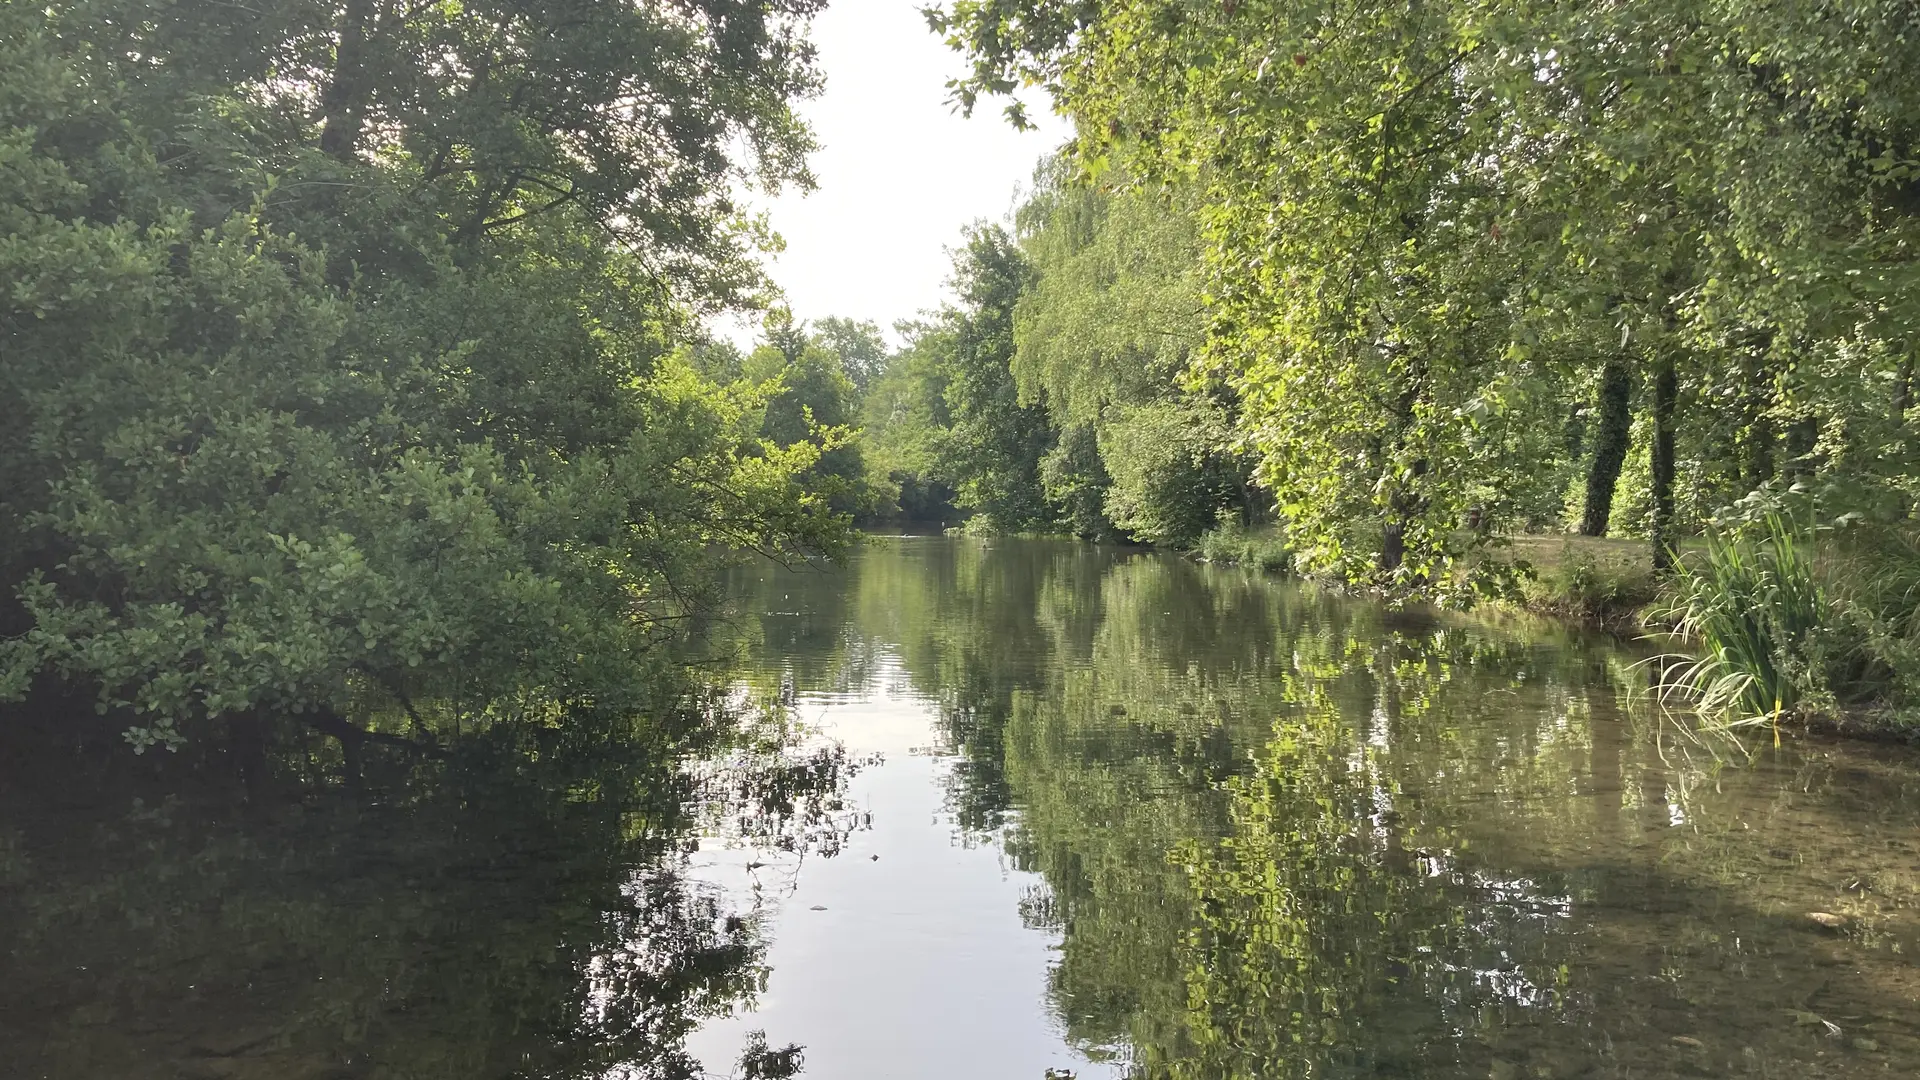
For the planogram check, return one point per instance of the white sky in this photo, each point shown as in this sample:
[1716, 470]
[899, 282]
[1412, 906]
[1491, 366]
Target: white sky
[899, 172]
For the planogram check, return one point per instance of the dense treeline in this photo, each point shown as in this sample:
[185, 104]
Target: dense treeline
[345, 364]
[1441, 274]
[1436, 234]
[1053, 394]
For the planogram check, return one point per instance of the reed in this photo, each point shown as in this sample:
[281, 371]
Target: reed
[1753, 601]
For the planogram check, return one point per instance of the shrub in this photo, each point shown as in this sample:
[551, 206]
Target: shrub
[1260, 547]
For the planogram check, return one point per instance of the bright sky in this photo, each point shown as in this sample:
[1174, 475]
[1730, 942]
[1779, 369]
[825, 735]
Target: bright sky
[899, 172]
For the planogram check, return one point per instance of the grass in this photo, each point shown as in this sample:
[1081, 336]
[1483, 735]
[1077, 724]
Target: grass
[1753, 602]
[1586, 578]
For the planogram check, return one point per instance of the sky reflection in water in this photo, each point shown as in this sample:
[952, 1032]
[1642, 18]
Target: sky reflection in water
[1271, 833]
[1133, 816]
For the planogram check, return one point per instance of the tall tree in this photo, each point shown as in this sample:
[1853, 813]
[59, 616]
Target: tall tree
[339, 347]
[993, 448]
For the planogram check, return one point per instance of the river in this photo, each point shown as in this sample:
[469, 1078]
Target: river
[1011, 809]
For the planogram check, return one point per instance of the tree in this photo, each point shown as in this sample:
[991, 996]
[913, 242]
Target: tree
[859, 345]
[994, 444]
[1396, 198]
[1106, 337]
[340, 348]
[811, 402]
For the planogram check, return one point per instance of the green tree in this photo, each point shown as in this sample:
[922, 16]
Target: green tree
[862, 350]
[339, 346]
[1399, 203]
[810, 402]
[993, 445]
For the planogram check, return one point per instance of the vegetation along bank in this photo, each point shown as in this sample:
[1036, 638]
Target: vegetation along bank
[356, 370]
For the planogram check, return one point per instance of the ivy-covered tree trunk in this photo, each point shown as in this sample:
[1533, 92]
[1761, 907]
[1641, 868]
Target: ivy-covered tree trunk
[1666, 391]
[1609, 447]
[1756, 436]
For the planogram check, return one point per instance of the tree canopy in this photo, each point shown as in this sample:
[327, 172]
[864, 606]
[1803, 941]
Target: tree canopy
[341, 348]
[1433, 233]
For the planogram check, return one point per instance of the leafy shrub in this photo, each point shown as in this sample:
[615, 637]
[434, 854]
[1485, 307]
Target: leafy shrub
[1584, 585]
[1261, 548]
[1873, 582]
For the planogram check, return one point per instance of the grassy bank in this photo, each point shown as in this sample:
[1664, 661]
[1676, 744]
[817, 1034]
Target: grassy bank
[1605, 582]
[1767, 624]
[1595, 581]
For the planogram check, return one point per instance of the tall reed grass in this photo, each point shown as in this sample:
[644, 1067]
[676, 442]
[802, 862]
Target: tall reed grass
[1754, 604]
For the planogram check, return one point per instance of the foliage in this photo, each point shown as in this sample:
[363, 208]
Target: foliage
[861, 349]
[521, 902]
[1872, 579]
[1426, 228]
[992, 449]
[1083, 420]
[340, 347]
[1276, 832]
[1472, 269]
[1169, 484]
[1234, 544]
[1586, 580]
[902, 416]
[1756, 606]
[810, 401]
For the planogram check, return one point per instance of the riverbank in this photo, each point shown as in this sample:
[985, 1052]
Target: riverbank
[1600, 582]
[1609, 585]
[1593, 582]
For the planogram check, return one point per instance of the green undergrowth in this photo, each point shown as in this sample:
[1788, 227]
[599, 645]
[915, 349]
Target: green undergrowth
[1587, 579]
[1763, 621]
[1779, 619]
[1258, 547]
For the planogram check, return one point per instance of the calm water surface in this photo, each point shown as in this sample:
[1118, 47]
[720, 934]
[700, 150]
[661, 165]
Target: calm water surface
[1063, 811]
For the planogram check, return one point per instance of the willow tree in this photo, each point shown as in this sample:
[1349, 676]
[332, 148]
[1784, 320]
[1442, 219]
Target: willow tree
[1398, 195]
[1356, 273]
[1106, 336]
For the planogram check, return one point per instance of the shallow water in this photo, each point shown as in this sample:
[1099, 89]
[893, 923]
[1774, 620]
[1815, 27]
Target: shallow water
[1141, 817]
[1092, 812]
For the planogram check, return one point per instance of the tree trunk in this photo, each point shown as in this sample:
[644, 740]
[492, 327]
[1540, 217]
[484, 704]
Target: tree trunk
[1666, 391]
[1803, 437]
[343, 104]
[1609, 447]
[1756, 442]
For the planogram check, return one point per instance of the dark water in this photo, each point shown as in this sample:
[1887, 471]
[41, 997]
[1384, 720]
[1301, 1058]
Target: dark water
[1093, 813]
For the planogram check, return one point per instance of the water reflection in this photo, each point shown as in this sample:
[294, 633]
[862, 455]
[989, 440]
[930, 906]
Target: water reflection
[1282, 834]
[1100, 813]
[518, 908]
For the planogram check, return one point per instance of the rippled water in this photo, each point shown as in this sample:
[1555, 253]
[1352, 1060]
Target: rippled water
[1064, 811]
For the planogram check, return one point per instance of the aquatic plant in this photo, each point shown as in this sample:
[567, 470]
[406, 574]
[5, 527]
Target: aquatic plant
[1754, 603]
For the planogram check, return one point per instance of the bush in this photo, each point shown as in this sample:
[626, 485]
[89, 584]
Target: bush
[1258, 547]
[1582, 583]
[1873, 583]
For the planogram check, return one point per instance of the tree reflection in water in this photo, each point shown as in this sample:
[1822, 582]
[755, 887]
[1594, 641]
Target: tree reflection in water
[1279, 834]
[1287, 834]
[520, 907]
